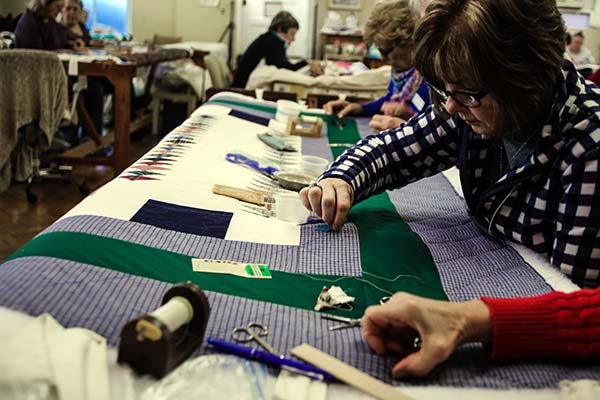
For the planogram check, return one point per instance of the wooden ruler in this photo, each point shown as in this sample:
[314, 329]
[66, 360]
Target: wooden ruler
[347, 374]
[249, 196]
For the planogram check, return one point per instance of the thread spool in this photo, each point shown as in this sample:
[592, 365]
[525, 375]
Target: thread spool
[157, 342]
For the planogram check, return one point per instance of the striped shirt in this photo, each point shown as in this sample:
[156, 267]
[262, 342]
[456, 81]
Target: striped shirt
[549, 203]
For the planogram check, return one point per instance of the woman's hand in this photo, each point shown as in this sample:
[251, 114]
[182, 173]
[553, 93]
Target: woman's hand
[331, 200]
[440, 325]
[344, 107]
[315, 68]
[382, 122]
[397, 109]
[78, 44]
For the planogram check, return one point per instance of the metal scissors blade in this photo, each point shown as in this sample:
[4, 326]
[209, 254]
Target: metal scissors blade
[347, 322]
[253, 331]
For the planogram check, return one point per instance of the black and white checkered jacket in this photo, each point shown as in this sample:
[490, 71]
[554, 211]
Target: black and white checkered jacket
[551, 203]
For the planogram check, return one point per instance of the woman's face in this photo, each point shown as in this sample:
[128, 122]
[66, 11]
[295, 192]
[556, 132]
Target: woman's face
[289, 36]
[481, 119]
[53, 8]
[71, 13]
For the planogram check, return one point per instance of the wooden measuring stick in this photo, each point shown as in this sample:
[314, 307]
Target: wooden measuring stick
[347, 373]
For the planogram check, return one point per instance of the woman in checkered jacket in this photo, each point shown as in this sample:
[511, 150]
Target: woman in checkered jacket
[520, 122]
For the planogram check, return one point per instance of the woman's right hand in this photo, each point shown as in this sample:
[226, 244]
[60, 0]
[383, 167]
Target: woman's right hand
[331, 200]
[344, 107]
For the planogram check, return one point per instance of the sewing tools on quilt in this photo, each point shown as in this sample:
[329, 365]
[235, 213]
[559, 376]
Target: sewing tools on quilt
[157, 342]
[255, 331]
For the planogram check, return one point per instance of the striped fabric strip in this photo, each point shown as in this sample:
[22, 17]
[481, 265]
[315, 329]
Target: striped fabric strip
[319, 252]
[72, 292]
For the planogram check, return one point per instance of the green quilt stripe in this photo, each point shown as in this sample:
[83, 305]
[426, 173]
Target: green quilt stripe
[388, 247]
[289, 289]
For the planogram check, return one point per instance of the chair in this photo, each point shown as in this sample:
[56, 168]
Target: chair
[30, 114]
[171, 88]
[218, 71]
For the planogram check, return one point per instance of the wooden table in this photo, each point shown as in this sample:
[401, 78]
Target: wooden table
[119, 75]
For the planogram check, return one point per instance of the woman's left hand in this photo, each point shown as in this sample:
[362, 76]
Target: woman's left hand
[382, 122]
[440, 325]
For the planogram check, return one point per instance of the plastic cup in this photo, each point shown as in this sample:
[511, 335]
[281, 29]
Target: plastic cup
[313, 165]
[289, 208]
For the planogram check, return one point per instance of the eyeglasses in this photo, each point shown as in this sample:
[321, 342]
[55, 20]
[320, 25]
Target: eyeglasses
[72, 8]
[467, 99]
[386, 52]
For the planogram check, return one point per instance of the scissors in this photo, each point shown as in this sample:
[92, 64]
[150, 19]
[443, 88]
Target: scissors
[253, 331]
[238, 158]
[348, 322]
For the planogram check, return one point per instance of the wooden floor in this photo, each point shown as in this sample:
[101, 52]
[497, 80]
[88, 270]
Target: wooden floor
[20, 221]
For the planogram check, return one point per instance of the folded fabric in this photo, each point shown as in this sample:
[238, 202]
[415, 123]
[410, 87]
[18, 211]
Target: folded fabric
[73, 360]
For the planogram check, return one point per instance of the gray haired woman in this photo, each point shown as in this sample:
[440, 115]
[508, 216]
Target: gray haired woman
[38, 29]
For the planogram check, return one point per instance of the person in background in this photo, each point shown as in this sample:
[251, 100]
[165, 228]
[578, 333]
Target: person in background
[271, 46]
[513, 113]
[555, 326]
[73, 17]
[38, 29]
[77, 33]
[390, 27]
[579, 54]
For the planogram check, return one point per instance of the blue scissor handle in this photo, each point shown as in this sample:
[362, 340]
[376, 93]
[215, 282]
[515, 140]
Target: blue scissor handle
[237, 158]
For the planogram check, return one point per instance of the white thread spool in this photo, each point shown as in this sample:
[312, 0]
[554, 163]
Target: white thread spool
[287, 109]
[175, 313]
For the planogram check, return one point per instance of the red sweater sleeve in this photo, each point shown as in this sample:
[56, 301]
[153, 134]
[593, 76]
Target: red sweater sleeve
[556, 326]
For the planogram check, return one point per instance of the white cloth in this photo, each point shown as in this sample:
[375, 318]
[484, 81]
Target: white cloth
[73, 360]
[290, 386]
[373, 79]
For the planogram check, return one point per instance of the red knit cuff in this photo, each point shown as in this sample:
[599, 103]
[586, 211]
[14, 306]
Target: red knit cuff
[524, 328]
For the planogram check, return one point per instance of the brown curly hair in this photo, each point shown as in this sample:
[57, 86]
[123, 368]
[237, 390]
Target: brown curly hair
[512, 49]
[391, 24]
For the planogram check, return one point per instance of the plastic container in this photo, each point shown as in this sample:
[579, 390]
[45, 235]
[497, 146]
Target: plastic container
[289, 208]
[287, 109]
[314, 166]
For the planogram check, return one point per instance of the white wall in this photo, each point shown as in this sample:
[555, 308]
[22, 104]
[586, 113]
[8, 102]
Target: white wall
[152, 16]
[195, 22]
[185, 18]
[12, 6]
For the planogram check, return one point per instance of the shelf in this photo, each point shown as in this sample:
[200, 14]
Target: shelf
[343, 57]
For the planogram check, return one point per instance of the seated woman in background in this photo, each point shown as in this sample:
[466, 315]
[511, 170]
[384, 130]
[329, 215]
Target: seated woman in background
[515, 115]
[38, 29]
[73, 17]
[579, 54]
[77, 33]
[390, 27]
[556, 326]
[271, 46]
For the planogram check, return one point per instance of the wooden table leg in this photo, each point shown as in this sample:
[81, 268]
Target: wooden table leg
[122, 107]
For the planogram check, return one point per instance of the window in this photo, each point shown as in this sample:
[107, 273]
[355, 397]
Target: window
[113, 13]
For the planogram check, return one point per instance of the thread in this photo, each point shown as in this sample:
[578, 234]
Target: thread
[177, 312]
[366, 281]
